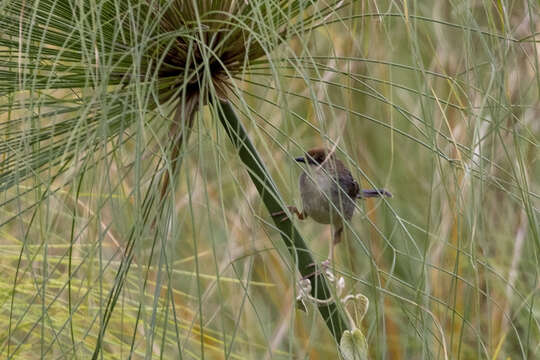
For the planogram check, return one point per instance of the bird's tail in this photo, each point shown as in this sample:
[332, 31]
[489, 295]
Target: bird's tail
[374, 193]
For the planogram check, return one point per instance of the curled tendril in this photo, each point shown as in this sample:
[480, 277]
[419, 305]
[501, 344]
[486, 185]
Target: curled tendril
[304, 291]
[360, 307]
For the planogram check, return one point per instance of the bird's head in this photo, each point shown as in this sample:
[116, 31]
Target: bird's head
[316, 157]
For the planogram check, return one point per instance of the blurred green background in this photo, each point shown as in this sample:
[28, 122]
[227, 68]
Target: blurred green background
[435, 101]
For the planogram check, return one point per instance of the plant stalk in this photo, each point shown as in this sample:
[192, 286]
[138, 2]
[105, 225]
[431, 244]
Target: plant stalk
[332, 315]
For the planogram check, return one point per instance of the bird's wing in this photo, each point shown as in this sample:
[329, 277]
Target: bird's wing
[349, 185]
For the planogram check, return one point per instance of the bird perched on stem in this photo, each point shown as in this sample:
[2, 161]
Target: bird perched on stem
[329, 192]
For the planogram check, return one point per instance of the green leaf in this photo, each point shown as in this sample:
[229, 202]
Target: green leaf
[353, 345]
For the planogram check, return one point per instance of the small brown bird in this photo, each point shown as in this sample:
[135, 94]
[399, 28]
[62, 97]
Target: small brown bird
[329, 191]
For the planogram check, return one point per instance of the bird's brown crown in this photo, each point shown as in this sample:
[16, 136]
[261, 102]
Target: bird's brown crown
[318, 155]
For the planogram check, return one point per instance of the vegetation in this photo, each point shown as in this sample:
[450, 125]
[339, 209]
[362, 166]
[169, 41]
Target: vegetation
[145, 145]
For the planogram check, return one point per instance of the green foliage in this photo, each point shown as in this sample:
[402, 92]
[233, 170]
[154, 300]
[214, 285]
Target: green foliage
[353, 345]
[132, 227]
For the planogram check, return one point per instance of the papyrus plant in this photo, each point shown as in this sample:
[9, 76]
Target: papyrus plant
[85, 81]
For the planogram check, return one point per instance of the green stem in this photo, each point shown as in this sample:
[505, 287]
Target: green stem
[271, 197]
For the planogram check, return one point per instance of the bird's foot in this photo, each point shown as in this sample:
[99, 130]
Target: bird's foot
[292, 209]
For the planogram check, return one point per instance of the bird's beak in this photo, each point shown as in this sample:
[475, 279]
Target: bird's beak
[300, 159]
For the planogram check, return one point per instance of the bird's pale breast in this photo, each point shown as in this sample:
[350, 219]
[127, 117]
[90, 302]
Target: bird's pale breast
[322, 197]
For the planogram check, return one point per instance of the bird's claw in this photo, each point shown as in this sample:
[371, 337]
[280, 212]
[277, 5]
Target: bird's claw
[293, 210]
